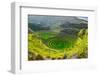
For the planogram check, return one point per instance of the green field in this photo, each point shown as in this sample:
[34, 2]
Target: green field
[44, 45]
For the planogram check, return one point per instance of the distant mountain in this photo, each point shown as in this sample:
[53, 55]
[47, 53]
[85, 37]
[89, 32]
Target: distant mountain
[37, 27]
[52, 20]
[58, 23]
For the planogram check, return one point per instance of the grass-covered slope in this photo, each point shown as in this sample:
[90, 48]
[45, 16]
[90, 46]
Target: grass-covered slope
[80, 49]
[49, 45]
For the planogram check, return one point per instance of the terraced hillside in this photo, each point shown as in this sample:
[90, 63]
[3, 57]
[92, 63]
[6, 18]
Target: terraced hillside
[62, 40]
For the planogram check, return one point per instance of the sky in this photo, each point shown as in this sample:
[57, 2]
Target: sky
[82, 17]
